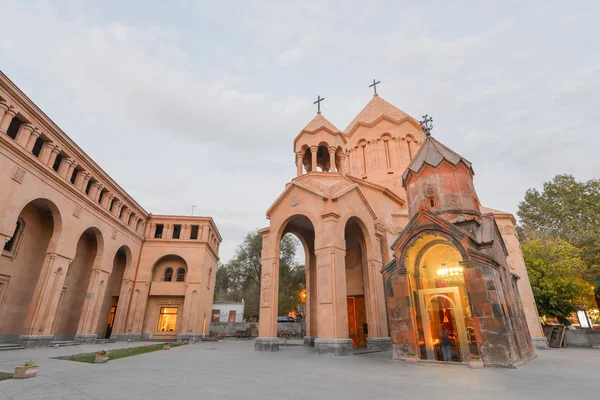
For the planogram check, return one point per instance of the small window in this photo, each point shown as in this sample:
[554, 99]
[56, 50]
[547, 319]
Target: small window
[37, 147]
[57, 162]
[89, 186]
[11, 247]
[167, 320]
[159, 231]
[13, 128]
[194, 233]
[431, 201]
[181, 275]
[74, 175]
[176, 231]
[168, 275]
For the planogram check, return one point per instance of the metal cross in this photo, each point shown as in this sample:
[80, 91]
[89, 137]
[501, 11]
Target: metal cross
[374, 85]
[318, 103]
[427, 124]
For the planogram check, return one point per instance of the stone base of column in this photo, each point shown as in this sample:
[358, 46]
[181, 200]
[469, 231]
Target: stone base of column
[186, 337]
[540, 342]
[308, 341]
[32, 341]
[124, 337]
[266, 344]
[90, 338]
[336, 347]
[399, 350]
[379, 343]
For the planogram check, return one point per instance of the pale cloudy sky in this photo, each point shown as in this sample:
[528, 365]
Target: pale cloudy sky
[188, 102]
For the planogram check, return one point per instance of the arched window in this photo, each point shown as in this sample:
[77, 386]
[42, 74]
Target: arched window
[181, 275]
[168, 274]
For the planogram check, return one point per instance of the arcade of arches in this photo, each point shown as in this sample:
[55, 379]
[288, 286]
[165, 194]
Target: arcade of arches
[399, 252]
[81, 260]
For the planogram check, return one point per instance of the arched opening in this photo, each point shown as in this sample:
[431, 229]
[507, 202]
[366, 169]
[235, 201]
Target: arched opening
[297, 296]
[356, 283]
[37, 228]
[164, 309]
[180, 275]
[72, 297]
[106, 320]
[323, 158]
[444, 321]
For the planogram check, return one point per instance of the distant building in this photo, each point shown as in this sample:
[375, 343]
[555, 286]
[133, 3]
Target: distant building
[227, 311]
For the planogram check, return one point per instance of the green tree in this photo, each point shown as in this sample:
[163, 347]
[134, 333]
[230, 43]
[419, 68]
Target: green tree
[240, 278]
[555, 271]
[569, 210]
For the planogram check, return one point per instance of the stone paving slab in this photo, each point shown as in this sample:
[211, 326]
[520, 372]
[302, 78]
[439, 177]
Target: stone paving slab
[233, 370]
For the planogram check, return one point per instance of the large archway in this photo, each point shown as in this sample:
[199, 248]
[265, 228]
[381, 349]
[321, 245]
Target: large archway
[302, 228]
[37, 226]
[110, 303]
[356, 283]
[72, 296]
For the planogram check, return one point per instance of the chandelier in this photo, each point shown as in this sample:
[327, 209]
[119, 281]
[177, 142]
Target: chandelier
[450, 273]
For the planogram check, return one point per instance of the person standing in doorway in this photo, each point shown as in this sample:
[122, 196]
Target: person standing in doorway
[446, 345]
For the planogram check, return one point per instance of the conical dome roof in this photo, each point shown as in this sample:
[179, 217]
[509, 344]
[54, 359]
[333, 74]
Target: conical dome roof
[318, 122]
[433, 153]
[376, 108]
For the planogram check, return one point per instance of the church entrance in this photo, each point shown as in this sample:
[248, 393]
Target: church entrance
[111, 320]
[357, 321]
[443, 324]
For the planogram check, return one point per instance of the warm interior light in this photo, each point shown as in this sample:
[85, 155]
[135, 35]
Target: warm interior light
[450, 272]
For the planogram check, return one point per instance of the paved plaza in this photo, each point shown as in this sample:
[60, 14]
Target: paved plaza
[233, 370]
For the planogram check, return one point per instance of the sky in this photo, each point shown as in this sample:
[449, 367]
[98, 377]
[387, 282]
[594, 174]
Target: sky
[198, 103]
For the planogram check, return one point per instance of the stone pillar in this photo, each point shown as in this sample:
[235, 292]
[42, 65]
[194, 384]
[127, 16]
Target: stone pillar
[378, 328]
[64, 166]
[118, 332]
[133, 221]
[142, 226]
[343, 167]
[44, 305]
[93, 190]
[24, 134]
[400, 314]
[88, 322]
[299, 163]
[47, 148]
[9, 114]
[332, 159]
[269, 289]
[125, 215]
[332, 306]
[313, 158]
[84, 182]
[53, 155]
[32, 139]
[106, 200]
[99, 189]
[117, 208]
[3, 109]
[167, 231]
[71, 169]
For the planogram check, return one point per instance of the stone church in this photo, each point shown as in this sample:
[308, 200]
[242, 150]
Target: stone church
[399, 251]
[81, 259]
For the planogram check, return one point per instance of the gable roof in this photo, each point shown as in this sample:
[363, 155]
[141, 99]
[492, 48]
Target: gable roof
[373, 111]
[432, 153]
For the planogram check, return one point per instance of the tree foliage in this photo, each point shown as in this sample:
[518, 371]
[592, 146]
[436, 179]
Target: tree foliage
[555, 270]
[569, 210]
[240, 278]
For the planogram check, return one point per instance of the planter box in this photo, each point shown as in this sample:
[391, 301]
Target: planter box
[101, 358]
[23, 372]
[476, 364]
[411, 359]
[167, 347]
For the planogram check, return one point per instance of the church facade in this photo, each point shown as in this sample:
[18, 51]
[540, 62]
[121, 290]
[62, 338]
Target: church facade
[81, 259]
[399, 252]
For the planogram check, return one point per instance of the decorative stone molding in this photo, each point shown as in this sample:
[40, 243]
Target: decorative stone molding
[77, 212]
[18, 175]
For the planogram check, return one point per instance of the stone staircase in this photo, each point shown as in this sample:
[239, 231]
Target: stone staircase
[61, 343]
[10, 346]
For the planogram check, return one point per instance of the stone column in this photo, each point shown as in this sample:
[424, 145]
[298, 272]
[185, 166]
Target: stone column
[32, 139]
[125, 215]
[133, 221]
[9, 114]
[142, 226]
[84, 182]
[98, 192]
[53, 155]
[313, 158]
[378, 328]
[299, 163]
[106, 200]
[88, 322]
[47, 148]
[269, 289]
[400, 314]
[343, 168]
[93, 190]
[44, 305]
[3, 109]
[117, 208]
[24, 134]
[332, 159]
[332, 306]
[71, 170]
[64, 166]
[118, 331]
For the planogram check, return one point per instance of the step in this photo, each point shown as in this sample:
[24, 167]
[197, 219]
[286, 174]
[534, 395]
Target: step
[102, 341]
[62, 343]
[11, 346]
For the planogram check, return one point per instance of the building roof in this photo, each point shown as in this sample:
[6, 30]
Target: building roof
[376, 108]
[318, 122]
[432, 152]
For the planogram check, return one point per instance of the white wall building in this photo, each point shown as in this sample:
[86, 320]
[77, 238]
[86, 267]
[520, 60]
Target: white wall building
[227, 311]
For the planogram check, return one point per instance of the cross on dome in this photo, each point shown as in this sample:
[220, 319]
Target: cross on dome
[374, 86]
[318, 103]
[426, 124]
